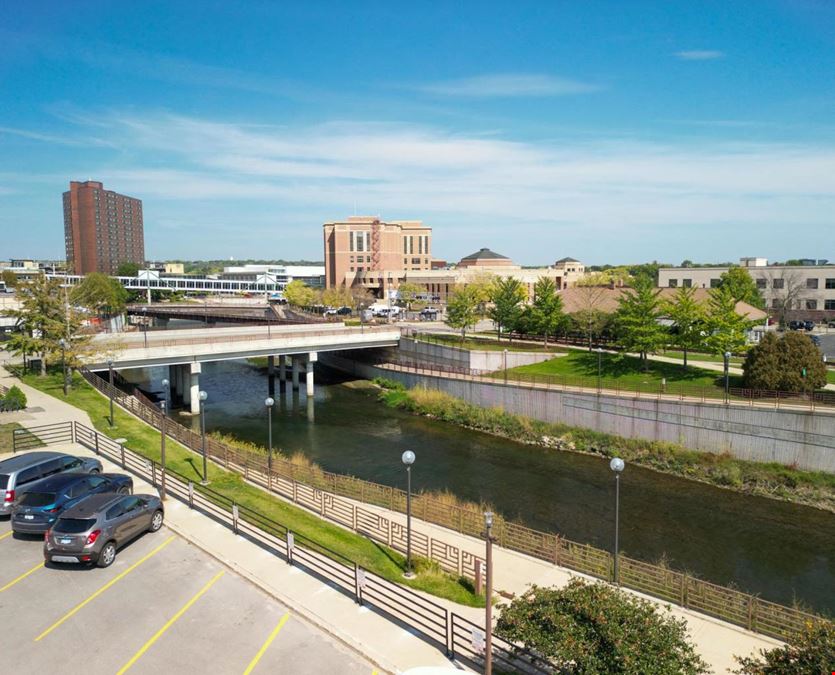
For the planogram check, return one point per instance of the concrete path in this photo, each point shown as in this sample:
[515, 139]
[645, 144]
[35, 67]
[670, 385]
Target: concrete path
[387, 644]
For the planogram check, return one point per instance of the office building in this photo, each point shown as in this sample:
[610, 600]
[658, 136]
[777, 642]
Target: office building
[102, 229]
[361, 244]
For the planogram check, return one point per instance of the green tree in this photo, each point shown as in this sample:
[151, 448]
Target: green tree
[41, 318]
[636, 319]
[811, 651]
[589, 317]
[589, 629]
[337, 297]
[507, 295]
[14, 399]
[298, 294]
[462, 309]
[547, 313]
[727, 329]
[101, 294]
[9, 278]
[791, 363]
[741, 286]
[127, 269]
[689, 319]
[408, 293]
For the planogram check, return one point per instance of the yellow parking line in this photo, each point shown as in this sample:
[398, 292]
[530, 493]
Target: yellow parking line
[264, 647]
[170, 623]
[21, 577]
[8, 534]
[81, 604]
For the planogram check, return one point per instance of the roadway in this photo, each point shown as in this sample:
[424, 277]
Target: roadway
[163, 606]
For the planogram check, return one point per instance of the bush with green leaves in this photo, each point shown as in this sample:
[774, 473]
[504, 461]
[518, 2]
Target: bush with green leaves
[812, 651]
[14, 399]
[592, 629]
[791, 363]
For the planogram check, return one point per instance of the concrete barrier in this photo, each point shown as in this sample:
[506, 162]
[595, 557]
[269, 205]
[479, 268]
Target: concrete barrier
[484, 361]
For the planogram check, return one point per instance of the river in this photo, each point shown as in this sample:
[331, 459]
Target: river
[784, 552]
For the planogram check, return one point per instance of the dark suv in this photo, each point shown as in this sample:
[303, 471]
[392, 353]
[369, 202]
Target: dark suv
[46, 499]
[92, 530]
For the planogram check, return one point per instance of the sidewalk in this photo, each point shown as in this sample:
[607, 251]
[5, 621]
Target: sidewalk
[381, 640]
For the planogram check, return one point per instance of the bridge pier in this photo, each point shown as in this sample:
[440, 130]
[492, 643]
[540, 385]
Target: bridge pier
[183, 383]
[282, 368]
[195, 387]
[271, 375]
[311, 359]
[297, 362]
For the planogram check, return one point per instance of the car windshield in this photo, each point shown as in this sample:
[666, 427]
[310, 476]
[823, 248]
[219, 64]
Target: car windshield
[73, 525]
[4, 480]
[37, 499]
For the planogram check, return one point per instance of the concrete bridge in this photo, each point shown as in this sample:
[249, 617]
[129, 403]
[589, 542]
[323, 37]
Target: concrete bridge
[159, 314]
[184, 351]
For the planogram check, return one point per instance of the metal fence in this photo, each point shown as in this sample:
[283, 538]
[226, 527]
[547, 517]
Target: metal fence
[428, 619]
[320, 491]
[39, 436]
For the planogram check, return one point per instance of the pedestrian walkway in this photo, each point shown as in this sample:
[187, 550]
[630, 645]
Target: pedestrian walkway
[388, 644]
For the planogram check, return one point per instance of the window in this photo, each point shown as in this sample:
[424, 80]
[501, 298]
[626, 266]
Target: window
[811, 283]
[71, 463]
[777, 303]
[777, 283]
[79, 489]
[811, 304]
[28, 475]
[687, 283]
[714, 283]
[415, 261]
[672, 283]
[115, 511]
[761, 283]
[830, 283]
[829, 304]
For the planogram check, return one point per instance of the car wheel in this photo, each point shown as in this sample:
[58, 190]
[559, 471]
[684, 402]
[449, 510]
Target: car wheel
[124, 490]
[156, 521]
[107, 555]
[95, 470]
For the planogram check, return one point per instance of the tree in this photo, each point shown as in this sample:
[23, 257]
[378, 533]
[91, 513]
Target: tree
[14, 399]
[482, 285]
[810, 651]
[337, 297]
[298, 294]
[408, 293]
[590, 318]
[727, 329]
[361, 297]
[101, 294]
[791, 363]
[589, 629]
[785, 289]
[738, 282]
[547, 314]
[462, 309]
[636, 319]
[127, 269]
[688, 316]
[9, 278]
[507, 296]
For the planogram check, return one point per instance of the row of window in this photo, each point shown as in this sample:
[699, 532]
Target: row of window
[777, 284]
[422, 244]
[777, 303]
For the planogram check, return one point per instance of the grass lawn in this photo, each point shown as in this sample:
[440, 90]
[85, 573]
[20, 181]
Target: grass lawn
[624, 371]
[830, 375]
[145, 440]
[6, 436]
[487, 344]
[691, 356]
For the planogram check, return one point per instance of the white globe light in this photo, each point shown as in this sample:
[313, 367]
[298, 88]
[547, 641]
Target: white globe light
[203, 396]
[408, 458]
[616, 464]
[269, 401]
[165, 383]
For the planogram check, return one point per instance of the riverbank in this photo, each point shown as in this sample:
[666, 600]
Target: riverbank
[775, 481]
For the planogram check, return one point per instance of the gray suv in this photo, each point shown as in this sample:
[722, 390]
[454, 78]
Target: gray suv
[92, 530]
[18, 473]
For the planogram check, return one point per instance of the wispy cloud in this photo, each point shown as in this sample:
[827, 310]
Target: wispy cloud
[508, 85]
[700, 55]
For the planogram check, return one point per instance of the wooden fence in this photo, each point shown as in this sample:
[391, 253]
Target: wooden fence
[320, 491]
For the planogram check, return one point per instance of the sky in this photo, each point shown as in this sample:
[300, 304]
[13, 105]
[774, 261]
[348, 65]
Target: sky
[608, 131]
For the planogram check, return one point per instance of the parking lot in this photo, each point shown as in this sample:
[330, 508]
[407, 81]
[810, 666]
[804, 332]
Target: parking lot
[163, 606]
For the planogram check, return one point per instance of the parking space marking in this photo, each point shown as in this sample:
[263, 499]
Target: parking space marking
[266, 644]
[122, 575]
[21, 577]
[170, 622]
[8, 534]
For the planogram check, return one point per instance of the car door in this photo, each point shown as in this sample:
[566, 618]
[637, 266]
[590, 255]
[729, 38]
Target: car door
[98, 484]
[134, 513]
[77, 491]
[71, 464]
[118, 522]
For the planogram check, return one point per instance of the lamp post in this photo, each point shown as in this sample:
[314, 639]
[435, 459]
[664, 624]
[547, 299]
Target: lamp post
[145, 325]
[63, 344]
[269, 402]
[599, 368]
[110, 388]
[162, 404]
[617, 465]
[488, 607]
[203, 397]
[408, 458]
[727, 356]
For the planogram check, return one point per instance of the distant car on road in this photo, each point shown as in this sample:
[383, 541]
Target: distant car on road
[344, 311]
[428, 314]
[18, 473]
[95, 528]
[46, 499]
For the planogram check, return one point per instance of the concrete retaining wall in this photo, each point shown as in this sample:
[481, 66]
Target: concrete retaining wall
[428, 352]
[802, 439]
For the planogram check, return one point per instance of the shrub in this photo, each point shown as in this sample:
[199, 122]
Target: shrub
[811, 651]
[14, 399]
[595, 628]
[791, 363]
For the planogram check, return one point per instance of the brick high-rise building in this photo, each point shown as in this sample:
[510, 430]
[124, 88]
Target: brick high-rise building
[102, 229]
[361, 244]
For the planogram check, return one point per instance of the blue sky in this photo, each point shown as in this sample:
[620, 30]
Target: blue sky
[607, 131]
